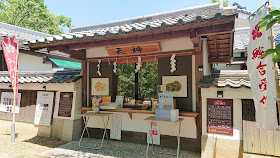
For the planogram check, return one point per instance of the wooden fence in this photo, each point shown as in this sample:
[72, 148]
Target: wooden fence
[258, 140]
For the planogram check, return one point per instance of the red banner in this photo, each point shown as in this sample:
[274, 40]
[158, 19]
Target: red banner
[10, 50]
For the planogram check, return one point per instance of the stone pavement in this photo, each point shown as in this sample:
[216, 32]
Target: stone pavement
[114, 149]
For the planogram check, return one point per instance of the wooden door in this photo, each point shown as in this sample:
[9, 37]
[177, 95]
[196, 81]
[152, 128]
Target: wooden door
[258, 140]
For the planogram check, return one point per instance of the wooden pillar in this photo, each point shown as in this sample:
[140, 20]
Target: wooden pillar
[136, 85]
[84, 83]
[198, 77]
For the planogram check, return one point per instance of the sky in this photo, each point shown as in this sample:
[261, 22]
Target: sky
[89, 12]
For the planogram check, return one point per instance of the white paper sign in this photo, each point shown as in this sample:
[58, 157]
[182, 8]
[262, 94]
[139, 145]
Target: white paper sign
[261, 74]
[44, 105]
[153, 129]
[7, 100]
[119, 99]
[116, 128]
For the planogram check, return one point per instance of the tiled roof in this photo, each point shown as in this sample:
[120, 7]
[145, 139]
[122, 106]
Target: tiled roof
[227, 78]
[242, 35]
[22, 34]
[64, 76]
[209, 12]
[25, 35]
[244, 11]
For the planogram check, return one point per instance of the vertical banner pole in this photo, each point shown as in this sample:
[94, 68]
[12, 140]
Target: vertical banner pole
[276, 64]
[15, 101]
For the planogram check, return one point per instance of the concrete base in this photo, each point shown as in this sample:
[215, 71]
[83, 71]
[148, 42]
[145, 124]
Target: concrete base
[66, 130]
[220, 148]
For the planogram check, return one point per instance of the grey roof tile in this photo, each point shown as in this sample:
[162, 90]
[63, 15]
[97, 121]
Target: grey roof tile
[65, 76]
[22, 34]
[25, 35]
[185, 16]
[228, 78]
[242, 36]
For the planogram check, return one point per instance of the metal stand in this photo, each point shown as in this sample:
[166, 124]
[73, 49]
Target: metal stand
[86, 118]
[178, 132]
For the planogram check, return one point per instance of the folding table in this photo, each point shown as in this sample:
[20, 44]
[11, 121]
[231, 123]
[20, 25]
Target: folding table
[86, 117]
[178, 131]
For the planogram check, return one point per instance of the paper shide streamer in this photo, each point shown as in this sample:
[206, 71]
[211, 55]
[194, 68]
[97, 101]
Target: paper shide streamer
[138, 66]
[173, 63]
[98, 67]
[115, 67]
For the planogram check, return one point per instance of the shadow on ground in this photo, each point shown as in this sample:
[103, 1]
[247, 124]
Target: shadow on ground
[46, 141]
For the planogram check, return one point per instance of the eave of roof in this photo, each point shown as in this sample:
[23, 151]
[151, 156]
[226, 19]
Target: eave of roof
[186, 16]
[21, 33]
[242, 35]
[228, 78]
[64, 76]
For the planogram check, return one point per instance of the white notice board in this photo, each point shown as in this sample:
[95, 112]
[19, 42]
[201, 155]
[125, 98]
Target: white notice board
[44, 105]
[7, 100]
[154, 131]
[116, 128]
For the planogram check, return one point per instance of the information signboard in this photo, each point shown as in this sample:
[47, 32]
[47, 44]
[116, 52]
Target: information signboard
[220, 116]
[44, 105]
[154, 131]
[7, 101]
[65, 104]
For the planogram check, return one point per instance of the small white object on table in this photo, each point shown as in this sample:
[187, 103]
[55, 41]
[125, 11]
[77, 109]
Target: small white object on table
[86, 117]
[178, 131]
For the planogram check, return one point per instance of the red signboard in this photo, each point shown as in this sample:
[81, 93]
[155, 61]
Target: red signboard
[65, 104]
[220, 116]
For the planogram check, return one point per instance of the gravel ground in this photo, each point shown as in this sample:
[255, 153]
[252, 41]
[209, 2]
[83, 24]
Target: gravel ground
[114, 149]
[26, 146]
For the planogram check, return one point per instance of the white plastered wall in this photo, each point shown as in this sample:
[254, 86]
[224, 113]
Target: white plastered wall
[76, 103]
[176, 44]
[138, 124]
[32, 63]
[68, 131]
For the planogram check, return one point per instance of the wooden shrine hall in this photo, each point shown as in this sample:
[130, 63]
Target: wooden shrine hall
[197, 36]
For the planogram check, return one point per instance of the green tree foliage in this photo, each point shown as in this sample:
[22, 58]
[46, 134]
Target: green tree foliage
[32, 14]
[148, 77]
[126, 79]
[225, 2]
[266, 23]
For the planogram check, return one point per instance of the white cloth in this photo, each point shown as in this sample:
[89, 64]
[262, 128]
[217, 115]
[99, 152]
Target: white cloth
[261, 74]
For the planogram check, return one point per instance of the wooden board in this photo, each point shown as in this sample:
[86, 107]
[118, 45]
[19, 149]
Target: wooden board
[218, 46]
[250, 136]
[258, 140]
[221, 41]
[277, 143]
[134, 49]
[186, 114]
[245, 141]
[270, 142]
[256, 147]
